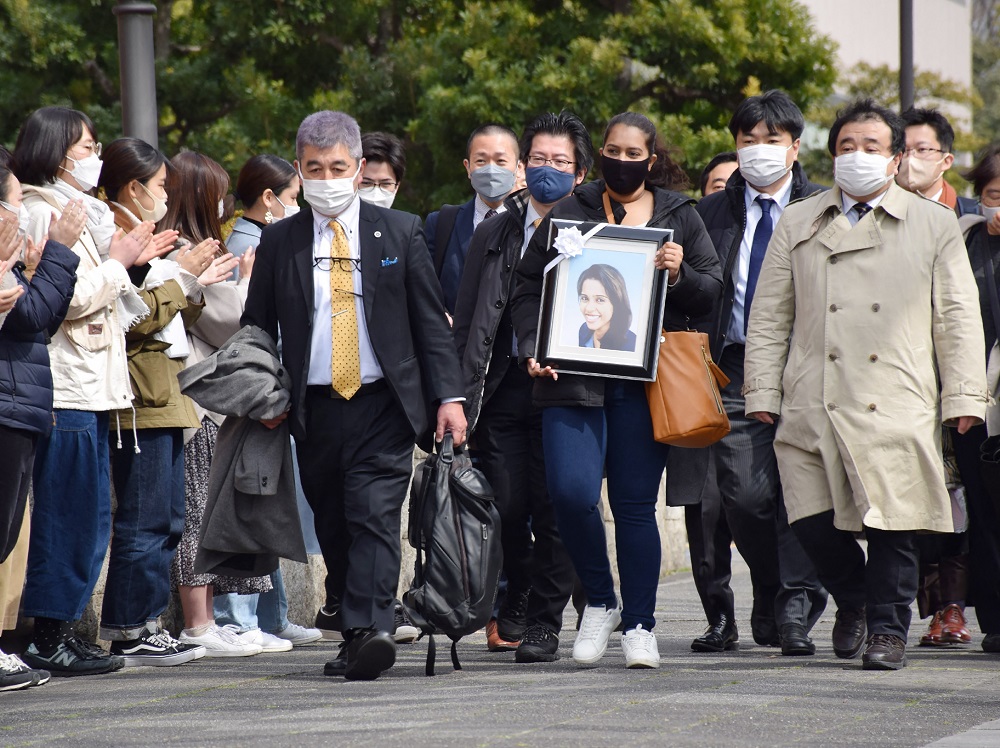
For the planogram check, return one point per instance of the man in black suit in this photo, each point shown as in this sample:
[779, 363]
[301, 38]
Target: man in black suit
[491, 161]
[351, 290]
[788, 596]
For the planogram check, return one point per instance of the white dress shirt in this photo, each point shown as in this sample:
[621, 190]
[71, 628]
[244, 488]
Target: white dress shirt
[848, 203]
[530, 216]
[742, 270]
[321, 354]
[481, 209]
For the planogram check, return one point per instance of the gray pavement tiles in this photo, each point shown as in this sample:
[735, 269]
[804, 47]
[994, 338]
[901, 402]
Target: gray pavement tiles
[749, 697]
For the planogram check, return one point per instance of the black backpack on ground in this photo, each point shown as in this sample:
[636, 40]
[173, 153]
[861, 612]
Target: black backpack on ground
[455, 530]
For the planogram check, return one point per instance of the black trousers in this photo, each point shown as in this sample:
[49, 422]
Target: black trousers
[983, 533]
[18, 449]
[508, 440]
[709, 542]
[886, 585]
[747, 472]
[355, 465]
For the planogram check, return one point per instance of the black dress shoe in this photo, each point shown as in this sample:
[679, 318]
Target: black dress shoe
[328, 621]
[849, 632]
[763, 627]
[337, 666]
[718, 637]
[991, 643]
[369, 653]
[795, 641]
[884, 652]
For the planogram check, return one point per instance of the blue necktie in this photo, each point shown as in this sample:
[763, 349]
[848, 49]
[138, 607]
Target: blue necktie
[758, 247]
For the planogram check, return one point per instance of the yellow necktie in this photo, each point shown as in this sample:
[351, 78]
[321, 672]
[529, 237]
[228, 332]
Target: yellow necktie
[346, 364]
[536, 222]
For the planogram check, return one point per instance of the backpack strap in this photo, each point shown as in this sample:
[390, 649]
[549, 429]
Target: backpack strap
[454, 655]
[442, 235]
[431, 656]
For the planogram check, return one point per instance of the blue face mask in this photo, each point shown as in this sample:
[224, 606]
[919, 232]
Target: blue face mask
[547, 184]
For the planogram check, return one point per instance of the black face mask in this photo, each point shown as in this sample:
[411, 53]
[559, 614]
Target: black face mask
[624, 177]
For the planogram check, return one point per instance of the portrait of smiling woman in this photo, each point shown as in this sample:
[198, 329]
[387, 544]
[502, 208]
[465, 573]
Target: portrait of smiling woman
[607, 313]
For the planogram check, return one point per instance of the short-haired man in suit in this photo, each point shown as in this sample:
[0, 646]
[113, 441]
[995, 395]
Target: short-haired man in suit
[788, 597]
[493, 167]
[930, 139]
[557, 153]
[385, 167]
[350, 288]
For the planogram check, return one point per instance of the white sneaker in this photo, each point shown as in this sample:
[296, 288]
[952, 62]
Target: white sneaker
[299, 634]
[640, 649]
[596, 626]
[267, 642]
[221, 642]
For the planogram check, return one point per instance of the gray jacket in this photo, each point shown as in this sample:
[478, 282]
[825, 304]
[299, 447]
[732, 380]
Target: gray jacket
[251, 517]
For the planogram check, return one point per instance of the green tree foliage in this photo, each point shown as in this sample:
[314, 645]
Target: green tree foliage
[986, 68]
[235, 78]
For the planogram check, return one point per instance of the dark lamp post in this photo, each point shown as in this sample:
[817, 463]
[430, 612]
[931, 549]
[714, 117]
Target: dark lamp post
[138, 71]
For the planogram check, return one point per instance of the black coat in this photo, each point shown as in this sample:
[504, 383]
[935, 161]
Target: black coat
[25, 376]
[693, 295]
[483, 330]
[725, 217]
[404, 314]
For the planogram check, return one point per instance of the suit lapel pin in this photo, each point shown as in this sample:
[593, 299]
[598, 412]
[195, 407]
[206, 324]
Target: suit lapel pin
[378, 234]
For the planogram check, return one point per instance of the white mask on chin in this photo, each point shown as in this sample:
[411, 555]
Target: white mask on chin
[860, 174]
[330, 197]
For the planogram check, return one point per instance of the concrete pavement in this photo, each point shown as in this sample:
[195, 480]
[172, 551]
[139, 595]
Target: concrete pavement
[751, 697]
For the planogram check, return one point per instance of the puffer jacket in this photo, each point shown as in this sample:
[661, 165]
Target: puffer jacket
[694, 294]
[25, 377]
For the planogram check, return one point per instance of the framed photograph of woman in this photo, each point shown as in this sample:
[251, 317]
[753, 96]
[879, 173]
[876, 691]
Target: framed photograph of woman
[602, 300]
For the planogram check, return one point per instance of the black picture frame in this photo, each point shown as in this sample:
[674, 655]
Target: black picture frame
[573, 344]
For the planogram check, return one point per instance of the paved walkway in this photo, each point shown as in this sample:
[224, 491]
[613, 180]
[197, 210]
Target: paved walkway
[753, 697]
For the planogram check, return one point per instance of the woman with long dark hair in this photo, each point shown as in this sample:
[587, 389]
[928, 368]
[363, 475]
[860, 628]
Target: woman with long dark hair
[57, 160]
[196, 211]
[606, 310]
[147, 458]
[597, 425]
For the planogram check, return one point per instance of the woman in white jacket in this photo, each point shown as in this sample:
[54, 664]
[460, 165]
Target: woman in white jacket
[57, 160]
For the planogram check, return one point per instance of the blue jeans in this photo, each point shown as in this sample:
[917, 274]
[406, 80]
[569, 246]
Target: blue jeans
[71, 517]
[148, 524]
[580, 445]
[266, 610]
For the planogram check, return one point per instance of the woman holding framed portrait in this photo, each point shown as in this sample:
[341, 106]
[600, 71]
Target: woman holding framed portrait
[597, 425]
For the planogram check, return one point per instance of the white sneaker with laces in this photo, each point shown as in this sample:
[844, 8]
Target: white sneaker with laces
[640, 648]
[221, 641]
[299, 634]
[596, 626]
[267, 642]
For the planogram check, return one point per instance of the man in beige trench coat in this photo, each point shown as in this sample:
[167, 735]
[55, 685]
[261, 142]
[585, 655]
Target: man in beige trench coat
[865, 334]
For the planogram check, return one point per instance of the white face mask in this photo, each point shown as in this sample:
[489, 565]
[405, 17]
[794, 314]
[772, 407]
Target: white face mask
[329, 197]
[989, 213]
[860, 174]
[764, 164]
[290, 210]
[159, 207]
[21, 212]
[87, 172]
[377, 196]
[222, 208]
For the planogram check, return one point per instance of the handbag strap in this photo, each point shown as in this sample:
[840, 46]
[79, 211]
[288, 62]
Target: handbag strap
[991, 285]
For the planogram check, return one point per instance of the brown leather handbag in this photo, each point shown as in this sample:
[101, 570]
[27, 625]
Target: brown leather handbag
[684, 401]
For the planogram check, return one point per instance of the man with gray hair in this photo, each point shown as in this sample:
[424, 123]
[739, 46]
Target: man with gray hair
[351, 289]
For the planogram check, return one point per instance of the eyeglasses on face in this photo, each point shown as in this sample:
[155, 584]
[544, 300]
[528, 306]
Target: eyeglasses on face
[344, 264]
[922, 152]
[560, 163]
[385, 184]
